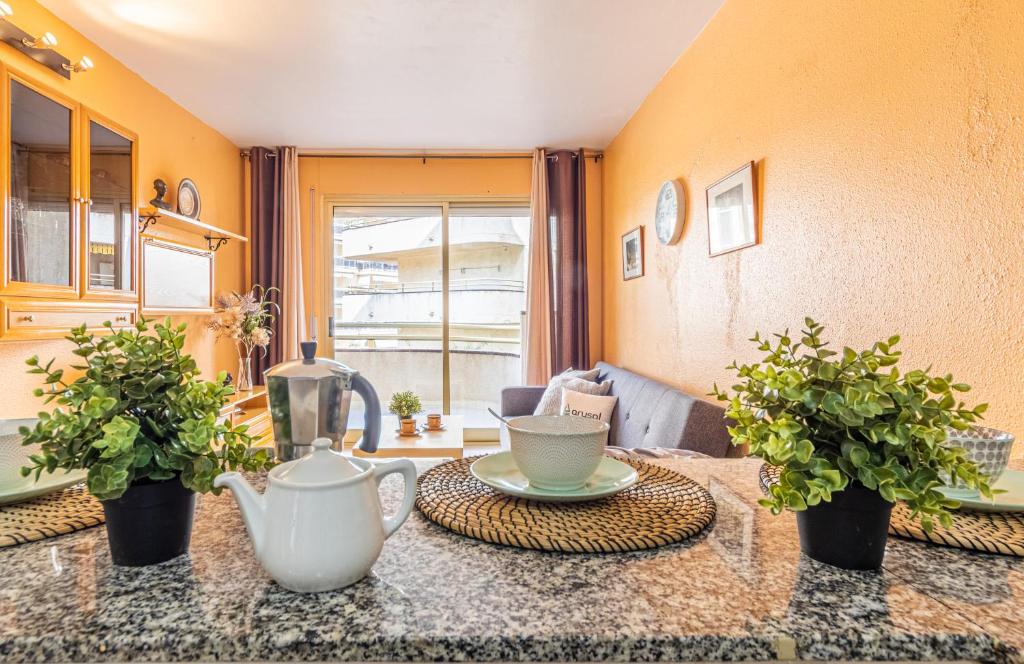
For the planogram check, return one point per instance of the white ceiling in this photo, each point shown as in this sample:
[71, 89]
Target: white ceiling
[422, 74]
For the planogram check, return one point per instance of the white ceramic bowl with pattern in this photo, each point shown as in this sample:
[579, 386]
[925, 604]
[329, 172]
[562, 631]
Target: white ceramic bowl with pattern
[557, 452]
[987, 447]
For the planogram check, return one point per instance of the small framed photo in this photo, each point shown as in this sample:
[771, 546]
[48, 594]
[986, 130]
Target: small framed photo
[732, 212]
[633, 254]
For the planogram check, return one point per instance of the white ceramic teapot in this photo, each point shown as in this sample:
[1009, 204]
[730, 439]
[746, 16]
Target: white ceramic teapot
[319, 525]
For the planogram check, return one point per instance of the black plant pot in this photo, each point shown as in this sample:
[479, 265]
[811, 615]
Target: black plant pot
[150, 523]
[849, 532]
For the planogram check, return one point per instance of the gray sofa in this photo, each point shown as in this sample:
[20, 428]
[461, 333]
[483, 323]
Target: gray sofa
[648, 414]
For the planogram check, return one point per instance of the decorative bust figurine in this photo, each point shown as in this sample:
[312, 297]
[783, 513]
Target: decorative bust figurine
[161, 190]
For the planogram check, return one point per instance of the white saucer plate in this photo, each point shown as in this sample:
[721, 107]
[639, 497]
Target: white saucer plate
[13, 487]
[499, 471]
[1012, 500]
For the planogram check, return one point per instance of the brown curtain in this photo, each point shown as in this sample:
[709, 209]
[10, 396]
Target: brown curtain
[537, 332]
[266, 242]
[567, 210]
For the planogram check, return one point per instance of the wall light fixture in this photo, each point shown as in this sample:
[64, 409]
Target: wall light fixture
[40, 49]
[85, 64]
[46, 41]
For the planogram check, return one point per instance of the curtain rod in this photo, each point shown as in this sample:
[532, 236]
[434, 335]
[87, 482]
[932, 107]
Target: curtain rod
[355, 155]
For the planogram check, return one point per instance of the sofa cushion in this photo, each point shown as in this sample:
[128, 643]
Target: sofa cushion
[594, 406]
[652, 414]
[580, 381]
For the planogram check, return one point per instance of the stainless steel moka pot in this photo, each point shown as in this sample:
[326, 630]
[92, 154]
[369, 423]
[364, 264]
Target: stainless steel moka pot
[310, 399]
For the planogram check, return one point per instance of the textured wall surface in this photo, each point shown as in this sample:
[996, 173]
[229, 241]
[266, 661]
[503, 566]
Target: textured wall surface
[889, 141]
[173, 144]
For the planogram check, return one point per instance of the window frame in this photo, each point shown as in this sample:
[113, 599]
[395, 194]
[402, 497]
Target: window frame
[323, 237]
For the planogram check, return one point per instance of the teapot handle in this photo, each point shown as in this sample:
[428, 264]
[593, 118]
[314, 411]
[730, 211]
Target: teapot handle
[371, 431]
[408, 470]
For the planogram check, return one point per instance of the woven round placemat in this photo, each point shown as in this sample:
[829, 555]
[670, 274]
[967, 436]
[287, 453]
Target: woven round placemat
[663, 507]
[55, 514]
[992, 532]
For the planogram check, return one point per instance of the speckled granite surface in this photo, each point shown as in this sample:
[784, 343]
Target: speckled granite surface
[740, 592]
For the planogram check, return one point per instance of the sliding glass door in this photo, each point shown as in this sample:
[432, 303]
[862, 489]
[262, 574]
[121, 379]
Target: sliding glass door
[388, 298]
[431, 299]
[486, 299]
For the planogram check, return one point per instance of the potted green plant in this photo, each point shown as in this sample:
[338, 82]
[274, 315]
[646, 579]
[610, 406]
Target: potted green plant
[405, 405]
[146, 429]
[852, 436]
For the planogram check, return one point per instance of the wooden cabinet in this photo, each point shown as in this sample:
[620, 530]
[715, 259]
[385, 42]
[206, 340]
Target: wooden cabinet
[41, 213]
[22, 318]
[110, 246]
[69, 234]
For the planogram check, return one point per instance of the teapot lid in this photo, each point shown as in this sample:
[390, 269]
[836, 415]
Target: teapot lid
[320, 466]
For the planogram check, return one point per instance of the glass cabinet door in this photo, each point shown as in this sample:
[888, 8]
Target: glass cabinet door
[41, 229]
[110, 220]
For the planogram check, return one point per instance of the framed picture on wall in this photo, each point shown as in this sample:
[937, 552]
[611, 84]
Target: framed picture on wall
[633, 254]
[732, 212]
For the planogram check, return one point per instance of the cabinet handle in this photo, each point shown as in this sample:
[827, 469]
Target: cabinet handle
[122, 319]
[28, 318]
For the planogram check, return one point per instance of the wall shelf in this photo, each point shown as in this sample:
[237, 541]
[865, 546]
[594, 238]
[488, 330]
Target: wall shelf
[215, 237]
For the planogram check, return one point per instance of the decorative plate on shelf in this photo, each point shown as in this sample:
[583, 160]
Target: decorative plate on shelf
[670, 213]
[188, 199]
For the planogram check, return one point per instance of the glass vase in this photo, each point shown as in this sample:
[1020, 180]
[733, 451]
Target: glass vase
[243, 379]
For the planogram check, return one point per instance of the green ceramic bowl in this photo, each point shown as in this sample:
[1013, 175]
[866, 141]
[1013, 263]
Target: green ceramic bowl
[13, 487]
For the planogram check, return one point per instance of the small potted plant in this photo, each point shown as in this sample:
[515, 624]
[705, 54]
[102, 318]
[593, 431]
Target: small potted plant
[405, 405]
[146, 429]
[852, 435]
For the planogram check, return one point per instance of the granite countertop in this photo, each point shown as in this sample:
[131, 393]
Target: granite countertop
[741, 591]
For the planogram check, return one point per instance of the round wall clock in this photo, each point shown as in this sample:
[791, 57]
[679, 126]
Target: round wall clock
[670, 213]
[188, 199]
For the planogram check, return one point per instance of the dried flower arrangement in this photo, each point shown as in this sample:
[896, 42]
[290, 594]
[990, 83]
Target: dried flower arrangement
[245, 319]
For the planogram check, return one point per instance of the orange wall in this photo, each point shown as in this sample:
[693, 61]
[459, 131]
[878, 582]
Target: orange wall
[173, 144]
[889, 138]
[410, 178]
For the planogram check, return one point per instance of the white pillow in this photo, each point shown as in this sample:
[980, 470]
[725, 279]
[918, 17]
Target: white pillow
[552, 398]
[593, 406]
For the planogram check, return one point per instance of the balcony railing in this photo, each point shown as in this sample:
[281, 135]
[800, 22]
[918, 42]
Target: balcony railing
[100, 280]
[365, 265]
[425, 331]
[455, 285]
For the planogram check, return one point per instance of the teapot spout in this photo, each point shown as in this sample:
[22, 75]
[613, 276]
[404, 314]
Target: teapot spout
[252, 505]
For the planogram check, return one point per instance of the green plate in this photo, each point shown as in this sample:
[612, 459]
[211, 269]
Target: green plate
[499, 471]
[1012, 482]
[13, 487]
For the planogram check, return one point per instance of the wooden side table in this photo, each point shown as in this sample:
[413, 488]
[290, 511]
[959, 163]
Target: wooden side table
[446, 443]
